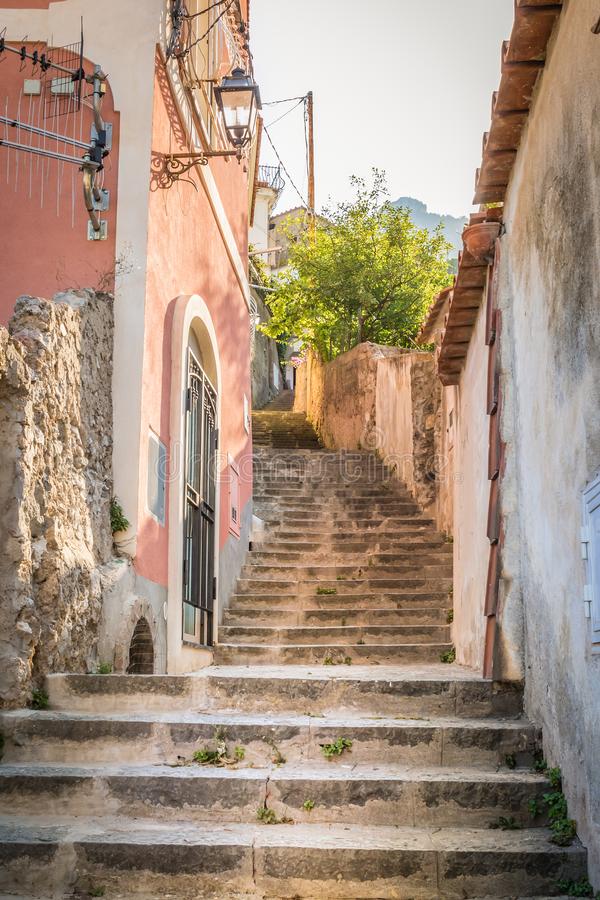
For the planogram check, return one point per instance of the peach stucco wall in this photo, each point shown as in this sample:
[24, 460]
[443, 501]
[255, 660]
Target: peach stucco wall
[187, 256]
[45, 248]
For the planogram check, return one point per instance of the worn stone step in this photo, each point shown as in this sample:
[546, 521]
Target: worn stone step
[353, 600]
[319, 792]
[333, 617]
[303, 572]
[348, 523]
[354, 553]
[350, 541]
[343, 586]
[340, 862]
[368, 635]
[307, 654]
[435, 689]
[81, 738]
[432, 690]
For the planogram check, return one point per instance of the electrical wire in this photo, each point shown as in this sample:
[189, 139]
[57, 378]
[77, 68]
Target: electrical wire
[281, 163]
[207, 9]
[208, 30]
[287, 100]
[296, 105]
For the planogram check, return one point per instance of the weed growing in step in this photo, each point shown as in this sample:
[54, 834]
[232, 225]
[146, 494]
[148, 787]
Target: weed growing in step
[277, 758]
[339, 661]
[577, 888]
[269, 816]
[308, 805]
[321, 591]
[449, 656]
[554, 804]
[219, 756]
[103, 669]
[450, 616]
[361, 641]
[506, 824]
[344, 620]
[539, 763]
[97, 891]
[510, 761]
[336, 748]
[39, 700]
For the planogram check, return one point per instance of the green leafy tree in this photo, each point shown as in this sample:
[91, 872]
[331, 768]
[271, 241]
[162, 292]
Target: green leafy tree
[366, 273]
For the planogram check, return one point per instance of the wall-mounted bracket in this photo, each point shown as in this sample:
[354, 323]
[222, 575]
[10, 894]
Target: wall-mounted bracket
[100, 235]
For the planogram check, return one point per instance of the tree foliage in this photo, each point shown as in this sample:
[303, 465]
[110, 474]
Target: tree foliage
[367, 273]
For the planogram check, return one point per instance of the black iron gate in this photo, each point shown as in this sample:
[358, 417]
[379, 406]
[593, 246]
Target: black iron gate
[200, 501]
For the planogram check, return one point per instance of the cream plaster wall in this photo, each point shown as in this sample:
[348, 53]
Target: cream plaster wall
[551, 300]
[471, 498]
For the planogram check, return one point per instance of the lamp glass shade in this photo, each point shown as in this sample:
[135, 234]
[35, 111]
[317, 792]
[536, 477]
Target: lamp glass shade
[239, 100]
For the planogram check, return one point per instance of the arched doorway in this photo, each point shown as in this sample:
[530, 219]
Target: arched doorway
[200, 497]
[141, 650]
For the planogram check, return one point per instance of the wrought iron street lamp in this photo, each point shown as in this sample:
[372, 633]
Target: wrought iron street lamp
[238, 98]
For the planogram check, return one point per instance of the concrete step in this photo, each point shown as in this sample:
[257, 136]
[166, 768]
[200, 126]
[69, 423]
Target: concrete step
[165, 738]
[327, 618]
[319, 792]
[432, 690]
[368, 635]
[339, 862]
[275, 544]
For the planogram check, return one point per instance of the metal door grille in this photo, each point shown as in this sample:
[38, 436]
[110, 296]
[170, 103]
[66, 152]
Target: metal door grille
[200, 501]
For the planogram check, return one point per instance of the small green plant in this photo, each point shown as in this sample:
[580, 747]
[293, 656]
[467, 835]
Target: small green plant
[269, 816]
[534, 808]
[505, 824]
[308, 805]
[219, 755]
[564, 829]
[118, 520]
[347, 660]
[449, 656]
[97, 892]
[336, 748]
[39, 699]
[539, 763]
[360, 641]
[510, 761]
[103, 669]
[449, 539]
[450, 616]
[344, 620]
[577, 888]
[321, 591]
[328, 661]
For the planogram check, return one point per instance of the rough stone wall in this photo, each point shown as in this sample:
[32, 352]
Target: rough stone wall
[55, 485]
[379, 398]
[408, 396]
[267, 379]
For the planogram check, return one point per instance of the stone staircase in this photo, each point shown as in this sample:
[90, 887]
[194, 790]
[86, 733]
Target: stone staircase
[336, 756]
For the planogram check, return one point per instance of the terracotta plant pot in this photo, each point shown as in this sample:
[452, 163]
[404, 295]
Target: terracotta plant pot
[480, 240]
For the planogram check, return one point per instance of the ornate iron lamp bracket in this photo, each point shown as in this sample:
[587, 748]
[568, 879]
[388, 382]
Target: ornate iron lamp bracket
[177, 164]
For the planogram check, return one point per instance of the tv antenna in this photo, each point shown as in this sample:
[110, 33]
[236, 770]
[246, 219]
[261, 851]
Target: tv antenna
[59, 93]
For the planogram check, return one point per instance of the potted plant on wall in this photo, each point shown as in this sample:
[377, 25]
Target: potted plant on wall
[479, 239]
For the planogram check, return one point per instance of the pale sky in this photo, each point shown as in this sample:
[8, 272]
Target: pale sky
[401, 85]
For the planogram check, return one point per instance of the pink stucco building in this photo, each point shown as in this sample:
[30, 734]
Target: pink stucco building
[174, 251]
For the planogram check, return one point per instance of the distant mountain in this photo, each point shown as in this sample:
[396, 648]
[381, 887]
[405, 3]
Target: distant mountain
[424, 219]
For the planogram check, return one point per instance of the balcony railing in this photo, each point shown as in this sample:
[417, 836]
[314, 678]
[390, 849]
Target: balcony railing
[270, 176]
